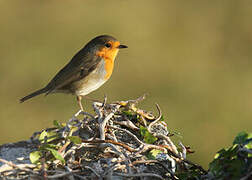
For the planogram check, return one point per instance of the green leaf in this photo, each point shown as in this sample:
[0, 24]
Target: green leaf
[249, 141]
[35, 156]
[42, 135]
[148, 137]
[153, 154]
[45, 146]
[232, 163]
[245, 139]
[57, 124]
[128, 113]
[50, 136]
[57, 155]
[73, 129]
[132, 116]
[249, 145]
[241, 138]
[143, 130]
[75, 139]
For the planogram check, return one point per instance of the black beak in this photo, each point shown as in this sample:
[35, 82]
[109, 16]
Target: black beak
[122, 46]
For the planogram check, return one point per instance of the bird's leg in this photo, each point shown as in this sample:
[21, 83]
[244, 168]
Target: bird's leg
[79, 102]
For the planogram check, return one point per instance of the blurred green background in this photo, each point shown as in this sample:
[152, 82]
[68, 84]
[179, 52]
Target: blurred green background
[191, 57]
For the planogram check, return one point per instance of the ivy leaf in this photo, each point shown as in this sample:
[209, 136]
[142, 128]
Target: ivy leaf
[241, 138]
[42, 135]
[232, 161]
[248, 142]
[75, 139]
[57, 155]
[244, 139]
[143, 130]
[45, 146]
[148, 137]
[35, 156]
[49, 135]
[153, 154]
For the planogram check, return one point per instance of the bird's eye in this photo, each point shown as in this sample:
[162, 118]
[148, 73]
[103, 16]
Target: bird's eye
[108, 45]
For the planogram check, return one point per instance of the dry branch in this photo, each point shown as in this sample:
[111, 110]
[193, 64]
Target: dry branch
[111, 145]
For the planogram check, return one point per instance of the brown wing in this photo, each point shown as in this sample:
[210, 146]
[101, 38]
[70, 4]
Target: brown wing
[80, 66]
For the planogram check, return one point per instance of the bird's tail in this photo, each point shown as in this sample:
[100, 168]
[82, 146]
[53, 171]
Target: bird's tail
[38, 92]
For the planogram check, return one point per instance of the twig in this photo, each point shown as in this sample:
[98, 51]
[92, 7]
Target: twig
[88, 114]
[112, 142]
[128, 132]
[171, 146]
[147, 147]
[128, 124]
[110, 169]
[93, 170]
[183, 153]
[139, 175]
[115, 150]
[77, 114]
[157, 162]
[104, 101]
[188, 162]
[166, 138]
[103, 124]
[97, 110]
[156, 120]
[68, 169]
[111, 136]
[60, 175]
[43, 169]
[125, 103]
[17, 167]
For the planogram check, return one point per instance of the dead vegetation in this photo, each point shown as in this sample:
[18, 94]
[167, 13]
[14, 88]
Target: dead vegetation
[121, 141]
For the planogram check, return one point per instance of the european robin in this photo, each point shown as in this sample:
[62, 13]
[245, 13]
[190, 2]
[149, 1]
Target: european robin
[90, 68]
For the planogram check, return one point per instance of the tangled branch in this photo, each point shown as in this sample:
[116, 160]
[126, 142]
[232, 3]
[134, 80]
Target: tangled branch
[119, 140]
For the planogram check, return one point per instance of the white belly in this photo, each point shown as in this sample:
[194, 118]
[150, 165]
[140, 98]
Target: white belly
[93, 81]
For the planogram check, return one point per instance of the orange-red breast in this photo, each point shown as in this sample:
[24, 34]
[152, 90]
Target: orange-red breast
[90, 68]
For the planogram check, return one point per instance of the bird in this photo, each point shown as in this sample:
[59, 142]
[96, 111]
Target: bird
[89, 69]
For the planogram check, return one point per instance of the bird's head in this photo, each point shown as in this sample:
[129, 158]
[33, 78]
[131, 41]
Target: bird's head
[106, 46]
